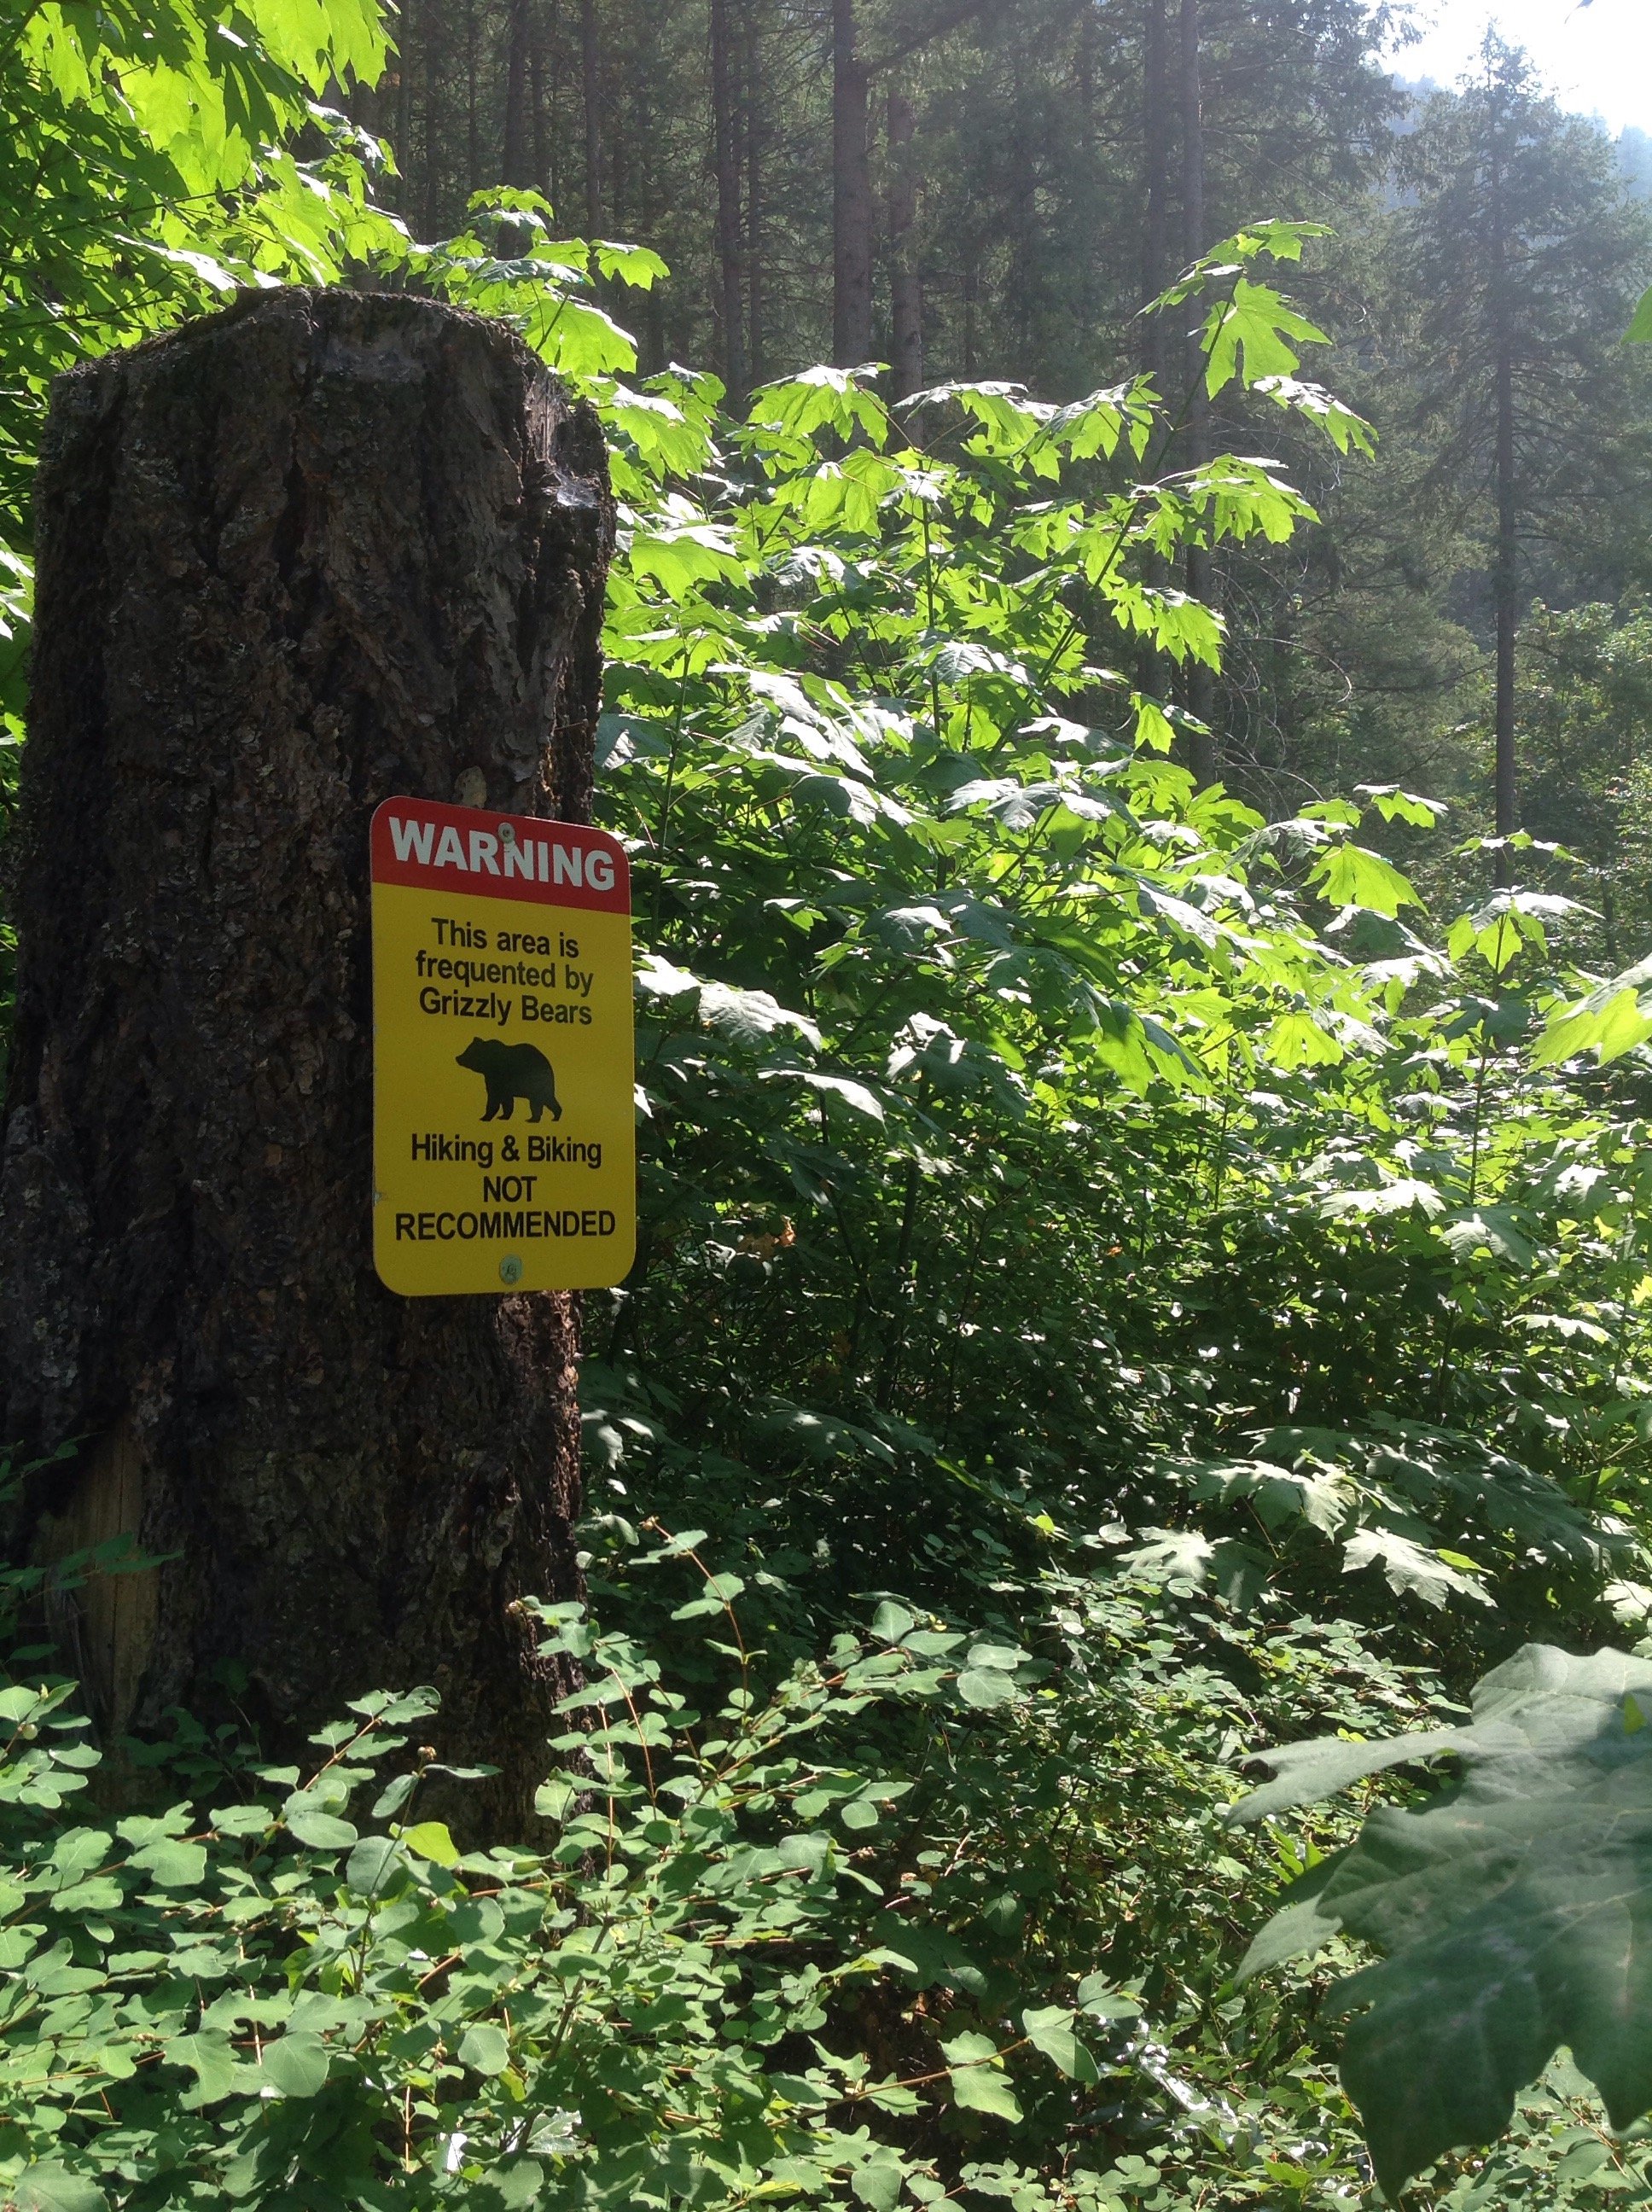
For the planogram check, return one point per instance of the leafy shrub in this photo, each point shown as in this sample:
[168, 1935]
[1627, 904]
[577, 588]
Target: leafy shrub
[779, 1944]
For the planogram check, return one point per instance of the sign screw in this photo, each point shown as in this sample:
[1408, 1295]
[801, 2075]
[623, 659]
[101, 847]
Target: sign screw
[510, 1269]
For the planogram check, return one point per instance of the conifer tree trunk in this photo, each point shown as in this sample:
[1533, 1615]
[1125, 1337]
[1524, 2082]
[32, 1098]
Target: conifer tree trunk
[591, 83]
[404, 66]
[539, 90]
[517, 160]
[1505, 573]
[1155, 193]
[730, 299]
[316, 551]
[906, 289]
[472, 109]
[852, 208]
[752, 118]
[1156, 183]
[430, 56]
[1200, 687]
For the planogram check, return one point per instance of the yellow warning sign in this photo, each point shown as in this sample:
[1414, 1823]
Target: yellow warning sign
[503, 1138]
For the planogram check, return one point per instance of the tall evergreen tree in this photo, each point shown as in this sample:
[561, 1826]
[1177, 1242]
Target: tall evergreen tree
[1527, 254]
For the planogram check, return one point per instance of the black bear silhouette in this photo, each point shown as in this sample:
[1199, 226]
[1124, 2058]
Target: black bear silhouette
[511, 1072]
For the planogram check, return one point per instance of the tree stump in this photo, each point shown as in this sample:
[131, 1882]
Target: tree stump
[314, 551]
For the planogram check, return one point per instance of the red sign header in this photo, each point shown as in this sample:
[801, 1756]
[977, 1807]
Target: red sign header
[432, 846]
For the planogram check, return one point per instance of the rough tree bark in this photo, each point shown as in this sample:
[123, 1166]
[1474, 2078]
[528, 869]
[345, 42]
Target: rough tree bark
[315, 551]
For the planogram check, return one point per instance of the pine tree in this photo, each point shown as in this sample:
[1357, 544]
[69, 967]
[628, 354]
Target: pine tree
[1527, 255]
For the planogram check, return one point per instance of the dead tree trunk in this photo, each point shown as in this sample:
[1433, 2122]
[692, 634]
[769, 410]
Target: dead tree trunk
[311, 552]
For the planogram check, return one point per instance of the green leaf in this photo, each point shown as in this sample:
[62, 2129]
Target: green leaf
[1349, 875]
[1612, 1020]
[1408, 1567]
[52, 2188]
[484, 2048]
[1097, 1996]
[371, 1864]
[838, 1086]
[987, 1686]
[985, 2090]
[1254, 335]
[241, 1819]
[891, 1622]
[970, 2048]
[1515, 1910]
[430, 1841]
[1640, 329]
[394, 1795]
[218, 2074]
[1394, 805]
[877, 2183]
[172, 1863]
[1184, 1555]
[1049, 2029]
[1403, 1193]
[1491, 1229]
[310, 1822]
[296, 2065]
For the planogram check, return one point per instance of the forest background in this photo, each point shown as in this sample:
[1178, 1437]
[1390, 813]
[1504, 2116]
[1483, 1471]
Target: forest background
[996, 191]
[1142, 1090]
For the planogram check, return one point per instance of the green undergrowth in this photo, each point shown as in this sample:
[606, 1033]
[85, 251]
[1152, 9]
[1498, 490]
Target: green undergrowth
[942, 1914]
[821, 1930]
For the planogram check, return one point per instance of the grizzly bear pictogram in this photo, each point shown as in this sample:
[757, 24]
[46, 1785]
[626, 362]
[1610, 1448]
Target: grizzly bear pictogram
[511, 1072]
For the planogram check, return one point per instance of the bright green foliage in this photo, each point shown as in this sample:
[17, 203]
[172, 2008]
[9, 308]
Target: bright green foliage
[146, 170]
[1049, 1166]
[1514, 1910]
